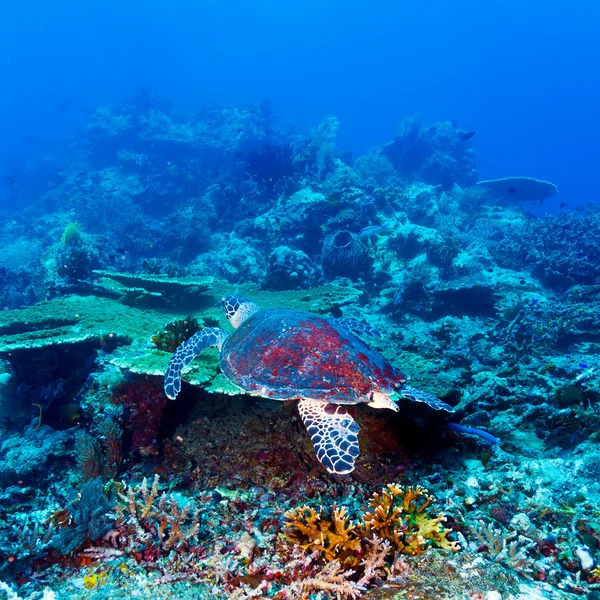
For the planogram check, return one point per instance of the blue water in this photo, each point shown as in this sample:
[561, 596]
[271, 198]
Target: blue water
[524, 74]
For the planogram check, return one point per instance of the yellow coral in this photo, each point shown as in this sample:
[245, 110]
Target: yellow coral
[386, 519]
[336, 539]
[91, 582]
[400, 516]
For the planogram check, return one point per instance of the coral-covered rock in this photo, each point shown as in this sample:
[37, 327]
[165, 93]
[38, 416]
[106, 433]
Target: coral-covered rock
[288, 270]
[30, 453]
[145, 402]
[437, 154]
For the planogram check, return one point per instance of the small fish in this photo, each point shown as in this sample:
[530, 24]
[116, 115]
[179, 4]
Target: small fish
[583, 366]
[373, 230]
[468, 135]
[534, 301]
[522, 281]
[563, 204]
[121, 251]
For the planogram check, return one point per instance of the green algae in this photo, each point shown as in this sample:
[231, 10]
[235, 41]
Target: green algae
[158, 283]
[81, 318]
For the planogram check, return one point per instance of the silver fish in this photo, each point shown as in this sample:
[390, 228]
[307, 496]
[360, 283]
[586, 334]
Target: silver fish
[373, 230]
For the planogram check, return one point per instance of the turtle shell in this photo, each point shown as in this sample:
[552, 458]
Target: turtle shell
[285, 354]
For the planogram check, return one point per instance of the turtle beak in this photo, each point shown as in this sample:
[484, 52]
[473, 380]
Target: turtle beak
[380, 400]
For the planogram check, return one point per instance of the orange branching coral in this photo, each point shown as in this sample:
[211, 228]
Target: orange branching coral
[336, 539]
[400, 515]
[399, 520]
[386, 520]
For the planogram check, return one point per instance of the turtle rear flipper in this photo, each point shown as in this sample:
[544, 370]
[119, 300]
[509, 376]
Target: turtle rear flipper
[333, 433]
[185, 354]
[415, 395]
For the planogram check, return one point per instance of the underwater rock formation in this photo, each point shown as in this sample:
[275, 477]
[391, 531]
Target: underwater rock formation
[288, 270]
[438, 154]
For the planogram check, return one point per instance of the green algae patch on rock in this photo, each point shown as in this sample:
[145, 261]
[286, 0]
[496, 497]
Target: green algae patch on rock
[221, 385]
[322, 300]
[73, 320]
[157, 290]
[519, 189]
[158, 283]
[142, 360]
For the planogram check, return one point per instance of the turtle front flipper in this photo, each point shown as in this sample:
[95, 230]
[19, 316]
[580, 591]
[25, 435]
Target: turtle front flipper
[185, 354]
[411, 393]
[359, 328]
[333, 433]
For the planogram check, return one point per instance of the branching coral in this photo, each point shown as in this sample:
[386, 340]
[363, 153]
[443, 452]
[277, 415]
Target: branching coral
[399, 519]
[336, 538]
[562, 250]
[400, 515]
[155, 524]
[332, 580]
[511, 549]
[23, 541]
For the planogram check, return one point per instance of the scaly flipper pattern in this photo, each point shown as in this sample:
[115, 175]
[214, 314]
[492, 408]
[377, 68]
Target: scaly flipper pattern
[334, 434]
[185, 354]
[411, 393]
[360, 328]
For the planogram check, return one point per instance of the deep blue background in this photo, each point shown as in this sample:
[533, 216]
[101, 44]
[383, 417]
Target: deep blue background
[525, 73]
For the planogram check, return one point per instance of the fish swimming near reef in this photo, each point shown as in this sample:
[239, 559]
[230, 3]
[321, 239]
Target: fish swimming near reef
[373, 230]
[468, 135]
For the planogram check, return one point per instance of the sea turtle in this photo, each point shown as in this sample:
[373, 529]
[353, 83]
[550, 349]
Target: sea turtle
[291, 355]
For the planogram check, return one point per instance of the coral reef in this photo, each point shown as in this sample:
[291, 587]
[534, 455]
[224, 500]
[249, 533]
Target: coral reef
[153, 526]
[488, 307]
[438, 154]
[87, 519]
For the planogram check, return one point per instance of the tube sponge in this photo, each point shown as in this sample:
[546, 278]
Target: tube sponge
[343, 255]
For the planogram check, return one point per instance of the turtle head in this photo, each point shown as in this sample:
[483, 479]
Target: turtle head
[237, 309]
